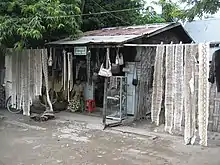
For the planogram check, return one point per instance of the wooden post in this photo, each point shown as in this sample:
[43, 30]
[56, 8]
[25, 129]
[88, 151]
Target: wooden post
[105, 91]
[52, 54]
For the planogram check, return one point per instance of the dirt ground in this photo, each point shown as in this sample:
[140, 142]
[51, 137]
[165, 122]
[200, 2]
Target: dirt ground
[73, 139]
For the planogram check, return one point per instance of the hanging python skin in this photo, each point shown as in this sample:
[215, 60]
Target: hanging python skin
[39, 72]
[8, 75]
[64, 70]
[45, 73]
[71, 70]
[157, 85]
[14, 73]
[18, 81]
[189, 97]
[69, 74]
[22, 77]
[26, 94]
[32, 74]
[29, 81]
[203, 98]
[169, 88]
[178, 99]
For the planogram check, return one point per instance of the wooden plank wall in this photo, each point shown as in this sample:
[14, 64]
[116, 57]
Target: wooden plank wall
[144, 73]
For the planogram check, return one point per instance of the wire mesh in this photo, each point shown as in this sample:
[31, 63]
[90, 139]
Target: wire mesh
[117, 98]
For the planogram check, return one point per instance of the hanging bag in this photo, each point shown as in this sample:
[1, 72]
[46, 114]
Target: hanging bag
[50, 60]
[95, 75]
[104, 72]
[135, 77]
[121, 59]
[116, 66]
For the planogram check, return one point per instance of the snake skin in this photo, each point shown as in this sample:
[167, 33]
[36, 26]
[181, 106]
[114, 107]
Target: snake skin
[203, 108]
[157, 85]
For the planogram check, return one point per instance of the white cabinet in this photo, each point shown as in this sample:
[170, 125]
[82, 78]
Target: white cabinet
[131, 89]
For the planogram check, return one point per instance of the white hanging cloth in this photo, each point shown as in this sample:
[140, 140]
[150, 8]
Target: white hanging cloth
[169, 88]
[203, 98]
[157, 85]
[178, 93]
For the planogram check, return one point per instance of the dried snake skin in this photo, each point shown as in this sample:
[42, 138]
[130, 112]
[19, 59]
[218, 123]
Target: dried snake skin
[64, 70]
[157, 85]
[189, 96]
[14, 76]
[38, 72]
[203, 99]
[45, 73]
[69, 74]
[169, 88]
[18, 81]
[179, 93]
[26, 83]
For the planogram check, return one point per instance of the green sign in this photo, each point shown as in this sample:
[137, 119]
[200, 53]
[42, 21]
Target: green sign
[80, 51]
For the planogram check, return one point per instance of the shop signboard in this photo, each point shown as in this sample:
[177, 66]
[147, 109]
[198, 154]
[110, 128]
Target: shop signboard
[80, 51]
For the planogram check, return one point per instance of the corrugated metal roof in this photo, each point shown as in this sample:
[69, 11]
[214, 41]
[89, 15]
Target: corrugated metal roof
[114, 35]
[95, 40]
[130, 30]
[204, 30]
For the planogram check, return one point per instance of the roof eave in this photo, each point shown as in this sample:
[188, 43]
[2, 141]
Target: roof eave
[168, 27]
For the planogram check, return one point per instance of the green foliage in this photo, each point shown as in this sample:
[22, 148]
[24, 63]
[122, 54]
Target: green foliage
[124, 18]
[201, 7]
[31, 23]
[144, 15]
[171, 11]
[149, 16]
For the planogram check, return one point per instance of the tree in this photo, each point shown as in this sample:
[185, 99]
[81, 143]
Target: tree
[31, 23]
[149, 15]
[122, 18]
[138, 14]
[171, 11]
[201, 7]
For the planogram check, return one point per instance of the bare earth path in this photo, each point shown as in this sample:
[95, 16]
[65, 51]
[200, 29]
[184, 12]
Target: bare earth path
[69, 140]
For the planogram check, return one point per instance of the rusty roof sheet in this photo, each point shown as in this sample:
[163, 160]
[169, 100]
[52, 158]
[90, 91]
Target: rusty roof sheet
[113, 35]
[95, 40]
[130, 30]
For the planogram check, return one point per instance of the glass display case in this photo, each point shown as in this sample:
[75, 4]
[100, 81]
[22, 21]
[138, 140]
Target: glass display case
[117, 98]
